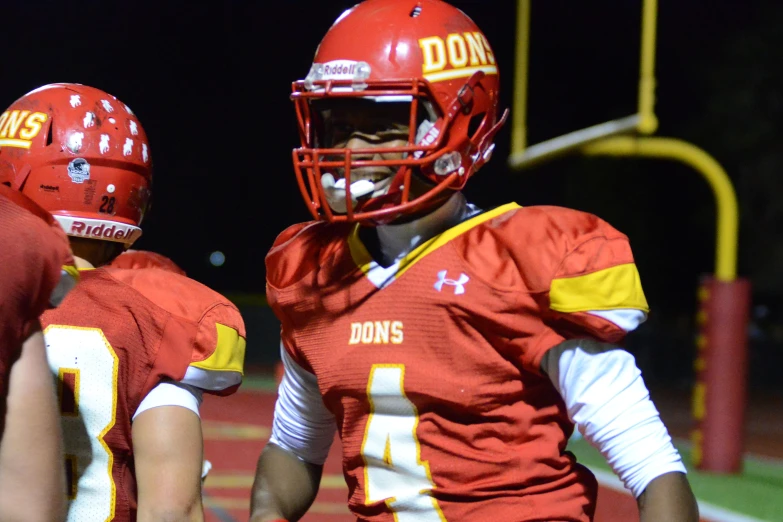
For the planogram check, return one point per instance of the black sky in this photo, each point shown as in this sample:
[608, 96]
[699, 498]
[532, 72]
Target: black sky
[210, 83]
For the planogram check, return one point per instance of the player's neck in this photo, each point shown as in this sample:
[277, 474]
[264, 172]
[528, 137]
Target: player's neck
[396, 240]
[82, 263]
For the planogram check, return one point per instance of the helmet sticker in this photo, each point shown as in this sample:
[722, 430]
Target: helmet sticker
[89, 191]
[79, 170]
[127, 149]
[458, 56]
[133, 129]
[103, 145]
[75, 142]
[76, 100]
[89, 120]
[18, 128]
[107, 106]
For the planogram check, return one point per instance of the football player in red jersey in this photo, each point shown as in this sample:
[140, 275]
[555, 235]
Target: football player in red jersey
[145, 259]
[132, 350]
[134, 259]
[37, 272]
[453, 349]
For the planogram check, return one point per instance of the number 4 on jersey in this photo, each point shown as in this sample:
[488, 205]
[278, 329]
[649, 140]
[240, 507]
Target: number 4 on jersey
[394, 472]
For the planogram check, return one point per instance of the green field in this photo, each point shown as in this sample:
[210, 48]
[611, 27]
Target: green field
[757, 492]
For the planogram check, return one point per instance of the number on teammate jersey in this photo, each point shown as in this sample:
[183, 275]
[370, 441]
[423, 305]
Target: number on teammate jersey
[394, 471]
[86, 367]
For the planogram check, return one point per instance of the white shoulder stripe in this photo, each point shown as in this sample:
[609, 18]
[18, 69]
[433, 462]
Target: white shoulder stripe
[626, 318]
[211, 380]
[171, 394]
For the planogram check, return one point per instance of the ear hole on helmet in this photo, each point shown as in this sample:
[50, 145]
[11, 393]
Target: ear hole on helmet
[49, 134]
[475, 124]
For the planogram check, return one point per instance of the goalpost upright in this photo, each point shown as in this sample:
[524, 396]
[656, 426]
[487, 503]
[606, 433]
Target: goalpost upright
[720, 391]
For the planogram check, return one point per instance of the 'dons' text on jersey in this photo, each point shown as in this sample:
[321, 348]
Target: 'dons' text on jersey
[431, 366]
[116, 336]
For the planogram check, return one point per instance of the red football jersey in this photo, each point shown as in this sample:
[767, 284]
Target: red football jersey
[431, 366]
[116, 336]
[133, 259]
[37, 268]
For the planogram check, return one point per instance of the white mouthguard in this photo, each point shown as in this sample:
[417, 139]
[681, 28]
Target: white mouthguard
[335, 191]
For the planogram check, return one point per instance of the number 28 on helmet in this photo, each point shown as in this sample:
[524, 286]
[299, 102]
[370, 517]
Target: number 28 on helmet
[82, 155]
[425, 63]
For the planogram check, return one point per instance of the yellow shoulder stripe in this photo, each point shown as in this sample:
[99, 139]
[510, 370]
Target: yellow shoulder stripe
[363, 259]
[609, 289]
[229, 354]
[71, 271]
[69, 278]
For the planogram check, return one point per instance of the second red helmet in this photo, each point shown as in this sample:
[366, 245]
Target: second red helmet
[81, 154]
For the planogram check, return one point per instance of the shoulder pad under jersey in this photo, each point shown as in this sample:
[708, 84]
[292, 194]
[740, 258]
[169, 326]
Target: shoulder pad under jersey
[581, 266]
[301, 249]
[218, 354]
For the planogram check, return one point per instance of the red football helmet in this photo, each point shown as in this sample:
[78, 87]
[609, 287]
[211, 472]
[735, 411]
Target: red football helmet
[81, 154]
[145, 259]
[425, 53]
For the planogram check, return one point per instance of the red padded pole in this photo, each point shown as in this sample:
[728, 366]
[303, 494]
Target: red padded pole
[720, 393]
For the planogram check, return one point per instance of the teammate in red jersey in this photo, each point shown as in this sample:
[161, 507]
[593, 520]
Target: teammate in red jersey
[133, 350]
[452, 349]
[145, 259]
[135, 259]
[37, 273]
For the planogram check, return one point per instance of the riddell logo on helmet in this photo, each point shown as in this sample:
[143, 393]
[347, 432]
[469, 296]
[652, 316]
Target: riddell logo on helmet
[110, 233]
[338, 68]
[427, 140]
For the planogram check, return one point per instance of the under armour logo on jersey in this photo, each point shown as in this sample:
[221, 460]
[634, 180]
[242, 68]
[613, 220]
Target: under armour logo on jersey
[458, 284]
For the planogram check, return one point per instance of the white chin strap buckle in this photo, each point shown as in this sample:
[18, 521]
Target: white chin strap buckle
[335, 191]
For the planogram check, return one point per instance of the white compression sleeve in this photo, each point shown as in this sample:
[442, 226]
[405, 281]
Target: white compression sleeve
[607, 399]
[626, 318]
[171, 394]
[302, 424]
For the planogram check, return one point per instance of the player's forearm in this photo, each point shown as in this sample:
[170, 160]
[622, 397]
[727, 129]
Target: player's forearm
[284, 486]
[32, 484]
[192, 513]
[168, 450]
[668, 497]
